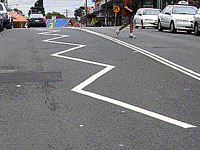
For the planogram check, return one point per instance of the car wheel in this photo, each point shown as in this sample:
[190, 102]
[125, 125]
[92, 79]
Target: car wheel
[189, 32]
[196, 30]
[10, 27]
[25, 25]
[142, 26]
[172, 28]
[160, 28]
[1, 27]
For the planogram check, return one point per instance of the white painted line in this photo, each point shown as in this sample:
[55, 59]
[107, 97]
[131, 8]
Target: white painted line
[92, 78]
[134, 108]
[149, 54]
[79, 88]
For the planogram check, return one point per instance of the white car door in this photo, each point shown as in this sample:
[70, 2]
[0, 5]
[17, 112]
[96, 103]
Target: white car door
[167, 17]
[136, 16]
[138, 19]
[162, 17]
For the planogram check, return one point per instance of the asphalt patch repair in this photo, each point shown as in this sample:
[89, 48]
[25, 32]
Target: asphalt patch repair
[14, 76]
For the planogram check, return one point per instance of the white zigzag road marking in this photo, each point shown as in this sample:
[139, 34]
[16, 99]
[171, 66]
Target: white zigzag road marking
[147, 53]
[79, 88]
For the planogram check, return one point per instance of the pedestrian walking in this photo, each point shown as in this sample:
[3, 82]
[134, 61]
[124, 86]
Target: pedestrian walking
[128, 11]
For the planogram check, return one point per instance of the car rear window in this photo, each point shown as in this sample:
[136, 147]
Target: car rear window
[184, 10]
[151, 12]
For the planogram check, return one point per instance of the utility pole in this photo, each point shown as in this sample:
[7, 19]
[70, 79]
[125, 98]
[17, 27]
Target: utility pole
[67, 11]
[86, 13]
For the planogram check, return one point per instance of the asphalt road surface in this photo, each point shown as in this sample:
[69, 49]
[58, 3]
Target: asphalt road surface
[115, 93]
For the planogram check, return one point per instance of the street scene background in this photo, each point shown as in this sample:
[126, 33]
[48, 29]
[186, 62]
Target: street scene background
[74, 84]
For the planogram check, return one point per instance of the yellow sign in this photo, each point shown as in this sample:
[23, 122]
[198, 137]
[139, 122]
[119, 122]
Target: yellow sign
[51, 25]
[116, 9]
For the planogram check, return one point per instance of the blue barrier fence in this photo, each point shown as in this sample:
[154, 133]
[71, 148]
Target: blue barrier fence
[57, 22]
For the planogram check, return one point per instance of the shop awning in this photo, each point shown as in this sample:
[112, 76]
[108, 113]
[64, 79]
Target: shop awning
[17, 17]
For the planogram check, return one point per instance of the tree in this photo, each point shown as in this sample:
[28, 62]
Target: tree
[79, 11]
[58, 15]
[38, 8]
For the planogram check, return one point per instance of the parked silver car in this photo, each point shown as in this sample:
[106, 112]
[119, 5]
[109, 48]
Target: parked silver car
[146, 17]
[197, 23]
[7, 19]
[177, 17]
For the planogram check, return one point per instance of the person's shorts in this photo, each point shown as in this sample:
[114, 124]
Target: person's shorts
[127, 20]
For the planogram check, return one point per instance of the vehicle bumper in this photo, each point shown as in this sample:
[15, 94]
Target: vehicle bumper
[150, 23]
[184, 26]
[8, 25]
[6, 22]
[36, 24]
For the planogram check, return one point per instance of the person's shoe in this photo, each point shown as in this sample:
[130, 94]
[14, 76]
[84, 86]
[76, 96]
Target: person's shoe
[117, 32]
[131, 36]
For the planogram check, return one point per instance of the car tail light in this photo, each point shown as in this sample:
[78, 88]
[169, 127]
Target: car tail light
[30, 20]
[44, 20]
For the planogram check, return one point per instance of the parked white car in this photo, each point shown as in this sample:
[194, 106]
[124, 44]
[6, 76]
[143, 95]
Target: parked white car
[146, 17]
[177, 17]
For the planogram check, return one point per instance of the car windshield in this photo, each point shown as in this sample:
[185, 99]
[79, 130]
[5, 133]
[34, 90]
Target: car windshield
[1, 7]
[184, 10]
[7, 9]
[36, 16]
[151, 12]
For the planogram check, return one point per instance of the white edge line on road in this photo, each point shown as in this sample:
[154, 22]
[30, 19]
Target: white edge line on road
[79, 87]
[149, 54]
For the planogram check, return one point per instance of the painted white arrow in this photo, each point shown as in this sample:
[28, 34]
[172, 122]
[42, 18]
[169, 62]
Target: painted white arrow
[79, 88]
